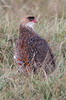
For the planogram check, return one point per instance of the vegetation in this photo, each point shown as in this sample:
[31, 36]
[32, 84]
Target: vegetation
[13, 84]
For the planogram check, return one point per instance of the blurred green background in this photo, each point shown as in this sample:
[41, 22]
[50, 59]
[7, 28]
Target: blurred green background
[43, 8]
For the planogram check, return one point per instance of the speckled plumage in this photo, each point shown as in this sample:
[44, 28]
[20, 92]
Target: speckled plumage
[33, 50]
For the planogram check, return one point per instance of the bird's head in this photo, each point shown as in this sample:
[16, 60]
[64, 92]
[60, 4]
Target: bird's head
[28, 21]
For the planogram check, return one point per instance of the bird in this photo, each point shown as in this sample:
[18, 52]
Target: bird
[31, 50]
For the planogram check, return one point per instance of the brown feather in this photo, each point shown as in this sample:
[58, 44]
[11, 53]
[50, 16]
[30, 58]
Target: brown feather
[31, 49]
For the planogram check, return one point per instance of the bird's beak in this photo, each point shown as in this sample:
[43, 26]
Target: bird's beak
[34, 21]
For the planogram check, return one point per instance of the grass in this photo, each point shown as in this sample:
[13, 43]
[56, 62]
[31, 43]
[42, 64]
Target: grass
[16, 86]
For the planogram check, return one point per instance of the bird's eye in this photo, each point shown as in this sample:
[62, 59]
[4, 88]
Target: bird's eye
[31, 18]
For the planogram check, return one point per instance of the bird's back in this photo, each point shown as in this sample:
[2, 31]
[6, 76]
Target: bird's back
[39, 48]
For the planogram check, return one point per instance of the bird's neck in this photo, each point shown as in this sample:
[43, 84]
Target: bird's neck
[25, 30]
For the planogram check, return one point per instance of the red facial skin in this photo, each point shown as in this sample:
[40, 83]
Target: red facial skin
[34, 21]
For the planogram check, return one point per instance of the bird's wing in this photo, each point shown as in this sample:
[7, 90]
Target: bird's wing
[37, 46]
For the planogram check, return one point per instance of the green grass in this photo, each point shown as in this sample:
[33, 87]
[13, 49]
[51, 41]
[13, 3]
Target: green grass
[16, 86]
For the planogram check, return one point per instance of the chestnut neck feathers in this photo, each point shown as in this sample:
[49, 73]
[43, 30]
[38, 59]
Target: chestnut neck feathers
[25, 32]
